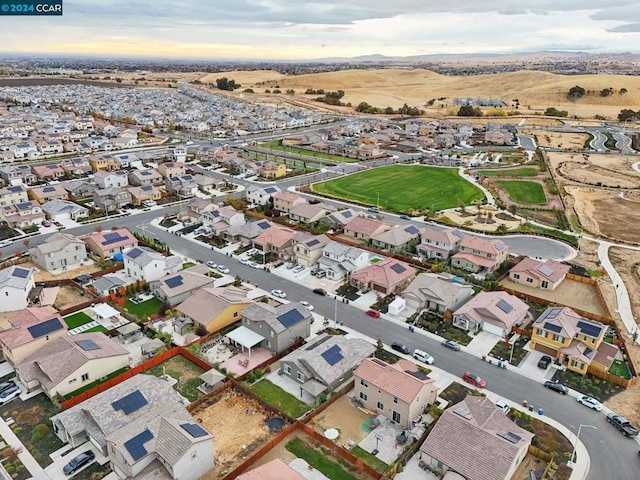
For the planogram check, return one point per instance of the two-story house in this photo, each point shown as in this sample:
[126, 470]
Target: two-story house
[142, 263]
[395, 239]
[103, 162]
[46, 173]
[22, 215]
[439, 244]
[362, 228]
[106, 244]
[59, 252]
[144, 193]
[111, 179]
[307, 249]
[145, 177]
[18, 175]
[310, 213]
[339, 260]
[111, 199]
[76, 167]
[15, 285]
[479, 254]
[184, 185]
[172, 169]
[176, 288]
[217, 220]
[215, 307]
[387, 276]
[13, 194]
[493, 312]
[284, 202]
[279, 326]
[258, 195]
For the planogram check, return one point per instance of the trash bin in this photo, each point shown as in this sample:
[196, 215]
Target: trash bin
[531, 408]
[540, 411]
[525, 403]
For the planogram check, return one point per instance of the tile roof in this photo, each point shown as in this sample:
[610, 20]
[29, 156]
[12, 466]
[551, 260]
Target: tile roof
[432, 286]
[387, 273]
[567, 323]
[547, 270]
[57, 242]
[205, 304]
[192, 278]
[499, 308]
[394, 379]
[485, 245]
[366, 226]
[22, 322]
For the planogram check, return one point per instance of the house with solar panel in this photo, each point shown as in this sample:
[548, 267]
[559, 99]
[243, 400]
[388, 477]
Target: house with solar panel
[546, 275]
[480, 255]
[183, 185]
[70, 362]
[278, 327]
[76, 167]
[28, 330]
[111, 179]
[326, 363]
[145, 177]
[178, 287]
[15, 285]
[144, 193]
[258, 195]
[307, 249]
[438, 243]
[476, 440]
[398, 238]
[143, 428]
[219, 219]
[196, 208]
[339, 219]
[48, 192]
[247, 233]
[214, 308]
[310, 213]
[22, 215]
[46, 173]
[59, 252]
[143, 263]
[18, 175]
[172, 169]
[111, 199]
[106, 244]
[388, 276]
[493, 312]
[573, 340]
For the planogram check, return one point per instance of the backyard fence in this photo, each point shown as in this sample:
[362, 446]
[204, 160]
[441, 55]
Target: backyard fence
[623, 382]
[82, 305]
[271, 360]
[332, 399]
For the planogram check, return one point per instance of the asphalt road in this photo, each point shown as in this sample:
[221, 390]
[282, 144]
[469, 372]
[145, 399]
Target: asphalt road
[527, 142]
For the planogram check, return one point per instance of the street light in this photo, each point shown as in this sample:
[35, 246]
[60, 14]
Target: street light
[335, 311]
[573, 454]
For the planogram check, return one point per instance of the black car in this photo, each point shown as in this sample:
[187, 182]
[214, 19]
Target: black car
[85, 277]
[320, 291]
[544, 361]
[7, 385]
[400, 347]
[556, 387]
[78, 462]
[404, 216]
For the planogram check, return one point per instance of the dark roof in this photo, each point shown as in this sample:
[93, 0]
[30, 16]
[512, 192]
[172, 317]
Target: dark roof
[332, 355]
[130, 403]
[135, 446]
[396, 267]
[174, 281]
[44, 328]
[194, 429]
[290, 318]
[87, 345]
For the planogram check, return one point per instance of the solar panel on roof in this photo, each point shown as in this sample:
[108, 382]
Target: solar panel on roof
[113, 237]
[589, 329]
[135, 446]
[134, 253]
[264, 225]
[589, 353]
[552, 328]
[290, 318]
[412, 230]
[396, 267]
[347, 214]
[552, 312]
[418, 374]
[130, 403]
[509, 436]
[313, 242]
[333, 355]
[87, 345]
[187, 177]
[21, 272]
[545, 270]
[174, 281]
[146, 188]
[145, 172]
[499, 246]
[378, 362]
[194, 429]
[44, 328]
[15, 189]
[505, 306]
[270, 190]
[48, 189]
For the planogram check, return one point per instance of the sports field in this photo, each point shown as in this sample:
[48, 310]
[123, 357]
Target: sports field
[510, 172]
[404, 188]
[524, 192]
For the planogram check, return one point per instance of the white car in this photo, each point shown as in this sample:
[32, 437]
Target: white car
[245, 261]
[503, 405]
[298, 269]
[278, 293]
[307, 305]
[223, 269]
[590, 402]
[211, 264]
[9, 394]
[254, 264]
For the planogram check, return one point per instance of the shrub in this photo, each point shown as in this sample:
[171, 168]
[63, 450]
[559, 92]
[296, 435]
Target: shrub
[39, 432]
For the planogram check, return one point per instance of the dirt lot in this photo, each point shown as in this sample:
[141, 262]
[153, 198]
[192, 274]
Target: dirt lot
[44, 276]
[344, 416]
[529, 463]
[237, 433]
[67, 297]
[549, 139]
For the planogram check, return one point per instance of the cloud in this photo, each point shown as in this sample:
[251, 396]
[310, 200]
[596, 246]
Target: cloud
[628, 28]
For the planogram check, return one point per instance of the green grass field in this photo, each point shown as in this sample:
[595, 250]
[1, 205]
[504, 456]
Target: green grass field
[144, 309]
[276, 396]
[510, 172]
[77, 319]
[524, 192]
[404, 188]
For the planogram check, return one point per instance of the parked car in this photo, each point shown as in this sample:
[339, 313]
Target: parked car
[278, 293]
[307, 305]
[9, 394]
[590, 402]
[423, 356]
[320, 291]
[212, 264]
[84, 278]
[314, 271]
[46, 223]
[474, 380]
[254, 264]
[374, 209]
[400, 347]
[544, 361]
[556, 387]
[622, 424]
[298, 269]
[373, 313]
[450, 344]
[404, 216]
[79, 461]
[159, 241]
[291, 266]
[245, 261]
[223, 269]
[321, 274]
[7, 385]
[503, 406]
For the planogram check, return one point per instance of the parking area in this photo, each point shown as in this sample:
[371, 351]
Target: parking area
[529, 366]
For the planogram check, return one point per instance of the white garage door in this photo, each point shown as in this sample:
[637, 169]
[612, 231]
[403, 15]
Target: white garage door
[491, 328]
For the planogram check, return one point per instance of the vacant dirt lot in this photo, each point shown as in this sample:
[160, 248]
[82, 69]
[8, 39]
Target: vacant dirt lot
[344, 416]
[67, 297]
[44, 276]
[549, 139]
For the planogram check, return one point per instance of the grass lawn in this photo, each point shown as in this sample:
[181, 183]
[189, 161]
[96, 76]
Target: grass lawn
[404, 188]
[283, 401]
[77, 319]
[619, 368]
[275, 145]
[183, 370]
[511, 172]
[371, 460]
[98, 328]
[144, 309]
[318, 460]
[524, 192]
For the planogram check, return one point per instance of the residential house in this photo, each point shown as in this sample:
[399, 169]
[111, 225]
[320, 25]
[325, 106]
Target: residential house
[103, 162]
[278, 326]
[58, 210]
[76, 167]
[275, 469]
[477, 441]
[46, 173]
[571, 339]
[107, 243]
[79, 188]
[143, 428]
[438, 243]
[284, 202]
[145, 177]
[397, 238]
[217, 220]
[126, 160]
[272, 170]
[48, 192]
[478, 254]
[339, 260]
[325, 363]
[13, 194]
[177, 153]
[436, 292]
[22, 215]
[28, 330]
[70, 362]
[339, 219]
[143, 263]
[388, 276]
[307, 249]
[196, 208]
[276, 239]
[172, 169]
[184, 185]
[144, 193]
[111, 199]
[546, 275]
[493, 312]
[247, 233]
[111, 179]
[214, 308]
[362, 228]
[257, 195]
[59, 252]
[176, 288]
[124, 142]
[399, 391]
[18, 175]
[310, 212]
[498, 137]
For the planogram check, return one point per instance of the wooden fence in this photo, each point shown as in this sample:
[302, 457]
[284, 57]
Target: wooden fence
[82, 305]
[623, 382]
[541, 454]
[330, 401]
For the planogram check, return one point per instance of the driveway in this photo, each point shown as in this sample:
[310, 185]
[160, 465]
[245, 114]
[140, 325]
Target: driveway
[529, 366]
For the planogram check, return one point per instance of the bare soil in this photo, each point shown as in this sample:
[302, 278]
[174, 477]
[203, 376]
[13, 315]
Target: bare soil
[44, 276]
[550, 139]
[67, 297]
[528, 463]
[344, 416]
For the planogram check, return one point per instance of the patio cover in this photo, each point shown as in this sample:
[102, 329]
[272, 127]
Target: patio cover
[245, 337]
[104, 310]
[151, 346]
[128, 329]
[211, 377]
[313, 387]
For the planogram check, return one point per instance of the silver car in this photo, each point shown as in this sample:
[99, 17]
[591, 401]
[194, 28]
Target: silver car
[590, 402]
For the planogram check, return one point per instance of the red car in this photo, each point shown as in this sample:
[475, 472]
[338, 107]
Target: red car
[474, 380]
[373, 313]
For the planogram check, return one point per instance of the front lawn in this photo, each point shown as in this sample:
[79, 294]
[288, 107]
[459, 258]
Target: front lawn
[318, 459]
[588, 384]
[404, 188]
[144, 309]
[77, 319]
[504, 351]
[524, 192]
[511, 172]
[185, 372]
[282, 400]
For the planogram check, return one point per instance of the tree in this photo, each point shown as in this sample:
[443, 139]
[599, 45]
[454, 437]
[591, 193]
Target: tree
[576, 92]
[554, 112]
[628, 114]
[469, 111]
[502, 228]
[225, 84]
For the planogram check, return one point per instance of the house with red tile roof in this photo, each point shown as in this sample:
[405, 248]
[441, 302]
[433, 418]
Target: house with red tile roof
[274, 239]
[476, 440]
[106, 244]
[545, 275]
[276, 469]
[388, 276]
[493, 312]
[399, 391]
[362, 228]
[478, 255]
[284, 202]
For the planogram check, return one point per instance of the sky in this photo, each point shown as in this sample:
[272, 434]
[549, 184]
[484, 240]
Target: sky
[303, 30]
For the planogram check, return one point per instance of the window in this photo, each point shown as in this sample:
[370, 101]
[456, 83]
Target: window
[85, 377]
[286, 369]
[558, 338]
[396, 417]
[436, 463]
[271, 333]
[544, 284]
[235, 314]
[364, 383]
[380, 406]
[300, 376]
[363, 396]
[194, 454]
[577, 364]
[516, 276]
[395, 399]
[73, 380]
[529, 280]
